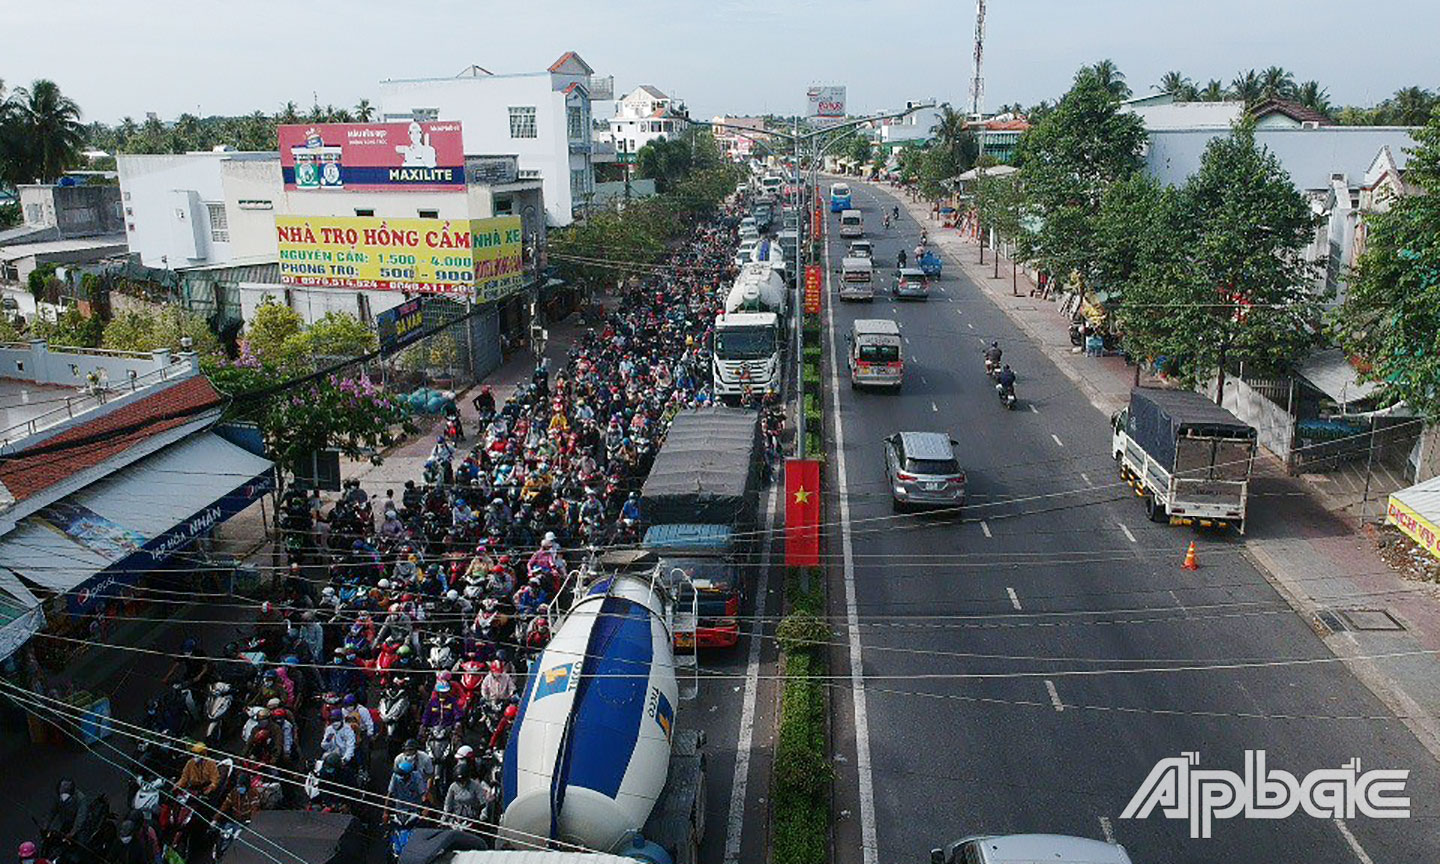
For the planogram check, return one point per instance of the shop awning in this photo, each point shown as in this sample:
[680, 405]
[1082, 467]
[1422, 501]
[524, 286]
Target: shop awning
[111, 532]
[1330, 372]
[20, 614]
[1416, 511]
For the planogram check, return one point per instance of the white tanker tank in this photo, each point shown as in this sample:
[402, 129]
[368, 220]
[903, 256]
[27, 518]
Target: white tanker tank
[590, 751]
[758, 288]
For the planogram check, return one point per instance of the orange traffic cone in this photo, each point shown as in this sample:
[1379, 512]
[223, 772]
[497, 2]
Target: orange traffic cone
[1190, 562]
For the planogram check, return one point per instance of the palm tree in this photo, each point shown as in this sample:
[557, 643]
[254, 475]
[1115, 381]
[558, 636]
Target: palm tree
[364, 111]
[1410, 106]
[1277, 82]
[1213, 91]
[51, 133]
[288, 114]
[1175, 83]
[1110, 77]
[1313, 96]
[1247, 87]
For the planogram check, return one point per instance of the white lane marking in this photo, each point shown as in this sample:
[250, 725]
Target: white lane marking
[1107, 829]
[1126, 530]
[1180, 603]
[934, 408]
[1086, 478]
[986, 528]
[968, 324]
[959, 311]
[1360, 854]
[1057, 439]
[1033, 409]
[1014, 598]
[736, 825]
[1054, 695]
[922, 377]
[866, 779]
[907, 339]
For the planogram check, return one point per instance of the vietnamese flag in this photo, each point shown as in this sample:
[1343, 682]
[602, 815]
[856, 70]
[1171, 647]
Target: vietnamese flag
[802, 512]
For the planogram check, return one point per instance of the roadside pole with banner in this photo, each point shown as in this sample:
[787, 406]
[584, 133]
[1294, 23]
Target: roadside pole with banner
[802, 512]
[814, 280]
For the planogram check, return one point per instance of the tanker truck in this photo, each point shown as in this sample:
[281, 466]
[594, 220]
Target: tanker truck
[595, 758]
[748, 336]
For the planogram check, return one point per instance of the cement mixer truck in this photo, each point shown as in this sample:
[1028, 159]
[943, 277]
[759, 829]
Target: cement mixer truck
[596, 758]
[749, 335]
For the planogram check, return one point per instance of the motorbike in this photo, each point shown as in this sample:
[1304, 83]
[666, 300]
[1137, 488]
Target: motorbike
[401, 827]
[395, 715]
[440, 744]
[219, 708]
[992, 369]
[1007, 396]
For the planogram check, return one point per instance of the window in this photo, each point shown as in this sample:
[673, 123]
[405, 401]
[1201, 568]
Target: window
[504, 205]
[364, 211]
[575, 123]
[522, 122]
[577, 183]
[428, 214]
[34, 213]
[219, 225]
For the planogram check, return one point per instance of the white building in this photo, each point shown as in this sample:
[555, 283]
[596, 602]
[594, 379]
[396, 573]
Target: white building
[915, 127]
[211, 217]
[541, 117]
[737, 136]
[645, 114]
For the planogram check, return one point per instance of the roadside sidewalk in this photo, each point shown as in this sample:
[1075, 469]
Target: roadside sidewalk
[1385, 627]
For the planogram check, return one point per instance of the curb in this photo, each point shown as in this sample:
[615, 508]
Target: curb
[1423, 725]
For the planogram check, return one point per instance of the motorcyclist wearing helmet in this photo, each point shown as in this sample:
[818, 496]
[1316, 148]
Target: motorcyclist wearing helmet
[410, 751]
[192, 669]
[498, 685]
[29, 853]
[67, 815]
[1007, 379]
[502, 729]
[465, 799]
[200, 773]
[405, 795]
[993, 354]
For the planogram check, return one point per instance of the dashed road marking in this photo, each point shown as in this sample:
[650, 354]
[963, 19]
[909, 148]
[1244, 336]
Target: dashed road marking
[985, 526]
[1126, 530]
[1054, 695]
[1107, 829]
[1360, 854]
[1057, 439]
[1033, 409]
[1014, 599]
[968, 324]
[1086, 478]
[934, 407]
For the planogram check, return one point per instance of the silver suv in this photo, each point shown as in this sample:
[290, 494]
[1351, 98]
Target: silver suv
[922, 470]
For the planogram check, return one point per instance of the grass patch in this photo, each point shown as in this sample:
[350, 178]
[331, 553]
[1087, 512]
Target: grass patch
[800, 787]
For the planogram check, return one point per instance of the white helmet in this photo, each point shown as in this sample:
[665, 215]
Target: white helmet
[383, 585]
[465, 752]
[452, 594]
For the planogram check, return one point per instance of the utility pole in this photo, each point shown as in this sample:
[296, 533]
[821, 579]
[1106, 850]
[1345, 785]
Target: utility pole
[977, 107]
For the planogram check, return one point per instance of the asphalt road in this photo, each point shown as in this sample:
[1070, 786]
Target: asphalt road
[1039, 607]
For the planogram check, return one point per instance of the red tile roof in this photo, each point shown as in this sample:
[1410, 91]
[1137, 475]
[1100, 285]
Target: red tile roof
[1294, 110]
[566, 57]
[49, 462]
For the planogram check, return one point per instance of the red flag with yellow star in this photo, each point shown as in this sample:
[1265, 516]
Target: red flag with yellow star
[802, 512]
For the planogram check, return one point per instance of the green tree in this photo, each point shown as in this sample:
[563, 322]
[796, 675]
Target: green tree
[999, 201]
[858, 150]
[10, 215]
[134, 330]
[1109, 77]
[1410, 106]
[1179, 85]
[1213, 91]
[364, 111]
[1248, 288]
[1389, 314]
[42, 134]
[1247, 87]
[1070, 158]
[335, 335]
[289, 114]
[71, 328]
[268, 330]
[1313, 96]
[1276, 82]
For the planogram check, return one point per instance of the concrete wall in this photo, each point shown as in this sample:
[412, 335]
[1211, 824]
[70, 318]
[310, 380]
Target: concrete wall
[314, 303]
[38, 362]
[1275, 426]
[77, 211]
[482, 105]
[166, 220]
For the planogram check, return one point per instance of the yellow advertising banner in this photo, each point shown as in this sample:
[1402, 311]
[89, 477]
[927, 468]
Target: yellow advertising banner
[1415, 526]
[481, 258]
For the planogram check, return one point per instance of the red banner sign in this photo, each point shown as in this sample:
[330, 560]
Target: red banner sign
[813, 281]
[817, 219]
[802, 512]
[372, 157]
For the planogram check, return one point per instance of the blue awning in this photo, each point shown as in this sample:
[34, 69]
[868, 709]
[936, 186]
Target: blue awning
[113, 531]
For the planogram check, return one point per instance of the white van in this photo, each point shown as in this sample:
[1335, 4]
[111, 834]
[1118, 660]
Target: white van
[1030, 848]
[875, 356]
[852, 224]
[857, 279]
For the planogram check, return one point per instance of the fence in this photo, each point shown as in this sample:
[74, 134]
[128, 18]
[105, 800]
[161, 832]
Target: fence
[1249, 402]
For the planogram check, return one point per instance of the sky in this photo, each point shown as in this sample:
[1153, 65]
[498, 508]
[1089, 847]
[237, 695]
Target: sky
[721, 56]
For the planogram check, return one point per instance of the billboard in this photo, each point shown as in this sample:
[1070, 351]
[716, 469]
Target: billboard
[479, 258]
[826, 102]
[399, 326]
[372, 157]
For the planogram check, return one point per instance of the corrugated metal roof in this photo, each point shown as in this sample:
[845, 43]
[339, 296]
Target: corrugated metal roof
[1330, 372]
[1423, 498]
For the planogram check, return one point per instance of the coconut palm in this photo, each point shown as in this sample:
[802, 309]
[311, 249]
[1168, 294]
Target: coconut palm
[1247, 87]
[364, 111]
[1277, 82]
[50, 134]
[1313, 96]
[1213, 91]
[288, 114]
[1177, 84]
[1410, 106]
[1109, 76]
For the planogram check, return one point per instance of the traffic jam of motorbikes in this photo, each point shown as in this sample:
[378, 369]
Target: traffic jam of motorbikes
[383, 679]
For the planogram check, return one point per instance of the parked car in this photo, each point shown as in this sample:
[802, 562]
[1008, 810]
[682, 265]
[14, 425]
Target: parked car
[922, 470]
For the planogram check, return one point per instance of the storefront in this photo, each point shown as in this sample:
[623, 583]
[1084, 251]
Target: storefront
[87, 553]
[1416, 512]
